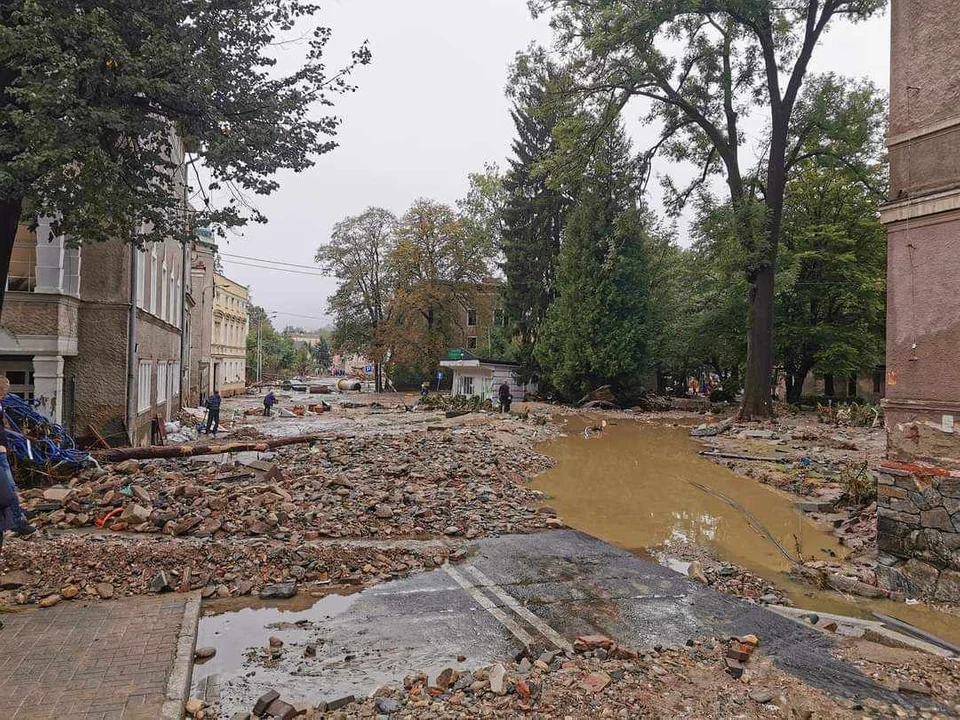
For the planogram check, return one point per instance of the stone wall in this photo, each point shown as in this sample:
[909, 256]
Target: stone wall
[918, 524]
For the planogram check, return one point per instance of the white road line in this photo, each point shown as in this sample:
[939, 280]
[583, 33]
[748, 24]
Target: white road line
[518, 632]
[511, 602]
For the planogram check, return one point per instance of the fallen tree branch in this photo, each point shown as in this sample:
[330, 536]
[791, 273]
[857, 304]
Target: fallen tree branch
[154, 452]
[737, 456]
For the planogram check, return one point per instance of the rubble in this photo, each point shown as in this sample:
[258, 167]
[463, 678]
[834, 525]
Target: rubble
[692, 681]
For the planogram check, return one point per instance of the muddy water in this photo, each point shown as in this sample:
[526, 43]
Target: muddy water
[641, 485]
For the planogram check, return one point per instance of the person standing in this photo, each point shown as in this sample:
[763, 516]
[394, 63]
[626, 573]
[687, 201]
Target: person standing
[213, 413]
[269, 401]
[12, 516]
[505, 397]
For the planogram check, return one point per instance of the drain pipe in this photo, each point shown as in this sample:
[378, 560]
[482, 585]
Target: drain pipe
[133, 373]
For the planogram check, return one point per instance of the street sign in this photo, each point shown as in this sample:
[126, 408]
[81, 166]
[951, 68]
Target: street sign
[439, 376]
[368, 369]
[455, 354]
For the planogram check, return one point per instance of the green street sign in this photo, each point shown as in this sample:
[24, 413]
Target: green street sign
[455, 354]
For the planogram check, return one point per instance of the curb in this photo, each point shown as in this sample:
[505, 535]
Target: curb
[178, 686]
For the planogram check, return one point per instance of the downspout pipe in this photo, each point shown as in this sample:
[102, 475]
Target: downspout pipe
[133, 376]
[185, 359]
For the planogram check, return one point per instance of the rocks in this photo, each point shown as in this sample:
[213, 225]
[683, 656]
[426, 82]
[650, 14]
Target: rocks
[383, 511]
[69, 592]
[204, 653]
[447, 678]
[912, 688]
[15, 580]
[387, 706]
[587, 643]
[761, 696]
[57, 494]
[279, 591]
[497, 676]
[160, 583]
[695, 571]
[104, 590]
[595, 682]
[49, 601]
[193, 706]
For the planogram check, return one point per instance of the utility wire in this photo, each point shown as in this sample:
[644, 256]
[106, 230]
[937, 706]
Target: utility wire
[271, 262]
[280, 269]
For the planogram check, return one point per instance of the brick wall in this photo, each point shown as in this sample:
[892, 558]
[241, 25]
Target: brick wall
[918, 523]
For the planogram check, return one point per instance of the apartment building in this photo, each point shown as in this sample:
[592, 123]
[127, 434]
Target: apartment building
[231, 302]
[99, 350]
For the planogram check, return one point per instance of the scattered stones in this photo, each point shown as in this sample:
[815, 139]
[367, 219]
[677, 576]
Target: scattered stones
[204, 653]
[104, 590]
[497, 676]
[194, 706]
[447, 678]
[69, 592]
[695, 571]
[49, 601]
[595, 682]
[160, 583]
[279, 591]
[387, 706]
[761, 696]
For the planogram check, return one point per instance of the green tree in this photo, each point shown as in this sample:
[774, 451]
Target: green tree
[263, 341]
[533, 216]
[358, 255]
[734, 55]
[596, 331]
[481, 210]
[99, 99]
[320, 350]
[831, 284]
[439, 264]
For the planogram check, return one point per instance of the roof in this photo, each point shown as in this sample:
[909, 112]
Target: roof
[465, 357]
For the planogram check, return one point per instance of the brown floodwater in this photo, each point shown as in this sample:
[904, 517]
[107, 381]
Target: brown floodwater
[641, 486]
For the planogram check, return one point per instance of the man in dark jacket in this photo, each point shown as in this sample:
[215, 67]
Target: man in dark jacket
[505, 397]
[269, 401]
[213, 413]
[12, 516]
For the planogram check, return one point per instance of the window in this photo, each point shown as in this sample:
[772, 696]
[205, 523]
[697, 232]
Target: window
[154, 279]
[172, 303]
[143, 385]
[175, 380]
[141, 277]
[23, 263]
[163, 290]
[471, 343]
[466, 385]
[162, 386]
[471, 317]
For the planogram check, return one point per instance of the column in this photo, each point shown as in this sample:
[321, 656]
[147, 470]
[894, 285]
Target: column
[48, 385]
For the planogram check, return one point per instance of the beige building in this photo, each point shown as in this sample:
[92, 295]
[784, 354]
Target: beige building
[231, 302]
[201, 291]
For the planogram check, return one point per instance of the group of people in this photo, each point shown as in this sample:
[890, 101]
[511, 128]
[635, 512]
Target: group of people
[212, 424]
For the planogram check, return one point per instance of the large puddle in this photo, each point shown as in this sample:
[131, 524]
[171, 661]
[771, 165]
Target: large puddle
[641, 485]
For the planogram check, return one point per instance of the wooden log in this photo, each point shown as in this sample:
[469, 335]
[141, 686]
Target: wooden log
[155, 452]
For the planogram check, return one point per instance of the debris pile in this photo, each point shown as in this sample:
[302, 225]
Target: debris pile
[603, 679]
[93, 566]
[438, 484]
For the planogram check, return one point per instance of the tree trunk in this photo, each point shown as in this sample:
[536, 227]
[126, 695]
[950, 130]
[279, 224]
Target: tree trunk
[10, 211]
[852, 386]
[828, 388]
[757, 399]
[151, 452]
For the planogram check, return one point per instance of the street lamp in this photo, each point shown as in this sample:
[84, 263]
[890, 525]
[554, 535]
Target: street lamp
[267, 316]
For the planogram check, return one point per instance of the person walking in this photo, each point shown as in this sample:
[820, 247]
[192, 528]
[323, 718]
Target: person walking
[269, 401]
[12, 516]
[213, 413]
[505, 397]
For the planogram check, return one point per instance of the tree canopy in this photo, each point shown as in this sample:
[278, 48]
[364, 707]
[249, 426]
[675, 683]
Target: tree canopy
[107, 108]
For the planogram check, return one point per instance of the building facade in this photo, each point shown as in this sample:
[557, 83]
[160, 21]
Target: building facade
[99, 350]
[923, 224]
[481, 317]
[231, 302]
[918, 495]
[201, 289]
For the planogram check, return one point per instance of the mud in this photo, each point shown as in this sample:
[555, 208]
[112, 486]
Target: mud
[642, 486]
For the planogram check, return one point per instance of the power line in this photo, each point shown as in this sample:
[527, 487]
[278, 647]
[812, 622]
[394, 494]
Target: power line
[272, 262]
[280, 269]
[308, 317]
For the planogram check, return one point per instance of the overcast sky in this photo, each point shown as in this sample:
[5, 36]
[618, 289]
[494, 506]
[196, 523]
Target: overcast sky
[429, 110]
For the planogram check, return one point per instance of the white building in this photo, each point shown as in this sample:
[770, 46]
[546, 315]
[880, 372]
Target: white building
[483, 378]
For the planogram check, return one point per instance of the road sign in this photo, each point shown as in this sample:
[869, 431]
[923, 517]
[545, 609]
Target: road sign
[439, 375]
[368, 369]
[455, 354]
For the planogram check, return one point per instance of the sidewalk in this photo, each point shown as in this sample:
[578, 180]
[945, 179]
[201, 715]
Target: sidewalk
[122, 659]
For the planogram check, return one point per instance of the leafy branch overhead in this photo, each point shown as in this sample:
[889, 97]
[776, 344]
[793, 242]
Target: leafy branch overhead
[95, 98]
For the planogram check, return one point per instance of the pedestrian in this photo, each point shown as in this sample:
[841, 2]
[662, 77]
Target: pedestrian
[213, 413]
[424, 388]
[12, 516]
[269, 400]
[505, 397]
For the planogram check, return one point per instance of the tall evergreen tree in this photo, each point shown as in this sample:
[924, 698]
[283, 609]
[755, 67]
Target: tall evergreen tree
[596, 331]
[532, 221]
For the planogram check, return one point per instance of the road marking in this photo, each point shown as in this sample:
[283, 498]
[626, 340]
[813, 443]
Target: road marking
[511, 602]
[518, 632]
